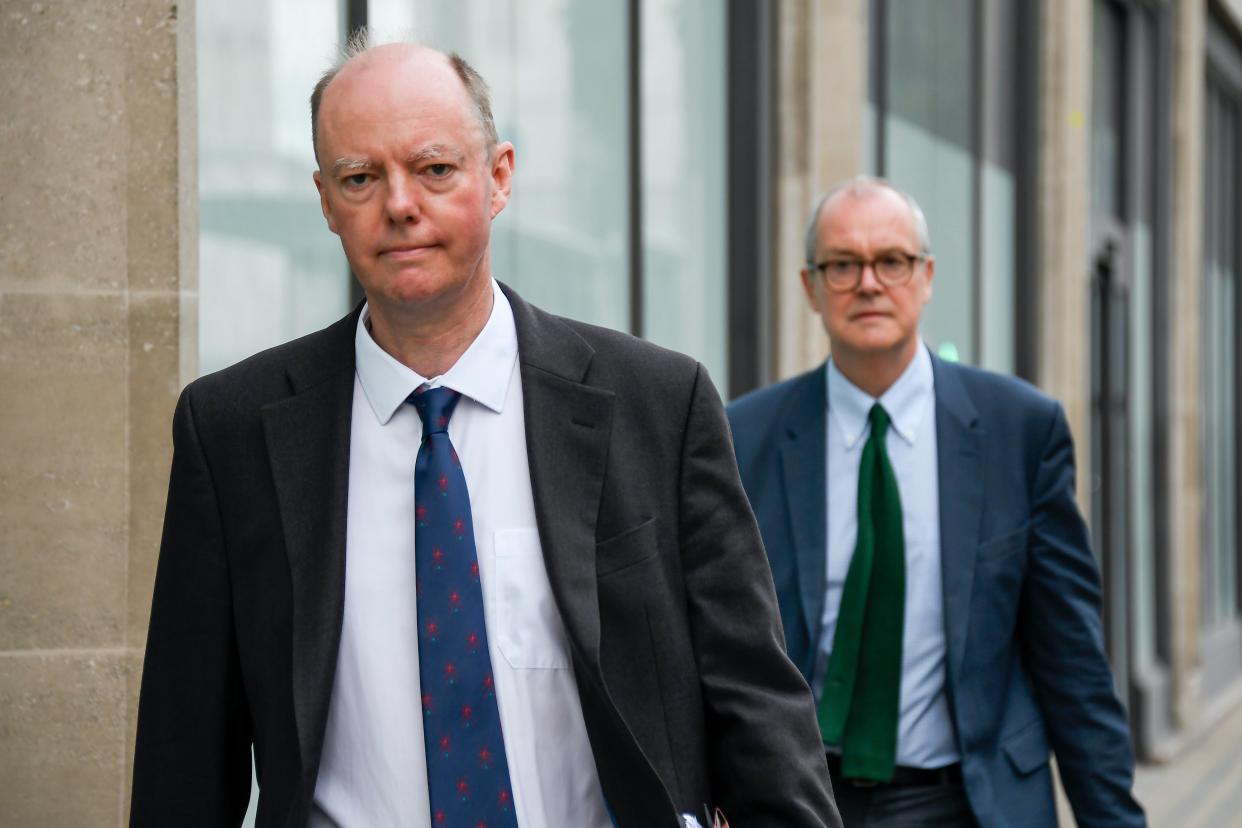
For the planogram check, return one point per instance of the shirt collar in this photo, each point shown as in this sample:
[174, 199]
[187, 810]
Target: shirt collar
[906, 401]
[482, 373]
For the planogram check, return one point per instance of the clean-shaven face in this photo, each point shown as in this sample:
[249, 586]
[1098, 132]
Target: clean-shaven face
[872, 318]
[406, 178]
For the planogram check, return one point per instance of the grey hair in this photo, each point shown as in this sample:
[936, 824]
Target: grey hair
[361, 40]
[861, 185]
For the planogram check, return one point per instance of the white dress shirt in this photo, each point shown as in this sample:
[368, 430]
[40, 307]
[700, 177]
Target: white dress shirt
[373, 771]
[925, 736]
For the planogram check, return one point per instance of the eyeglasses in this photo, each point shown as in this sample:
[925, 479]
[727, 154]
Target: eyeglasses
[892, 269]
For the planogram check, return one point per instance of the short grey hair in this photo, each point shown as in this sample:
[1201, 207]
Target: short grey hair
[862, 185]
[362, 41]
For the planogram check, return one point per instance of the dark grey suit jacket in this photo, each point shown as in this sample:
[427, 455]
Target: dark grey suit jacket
[652, 551]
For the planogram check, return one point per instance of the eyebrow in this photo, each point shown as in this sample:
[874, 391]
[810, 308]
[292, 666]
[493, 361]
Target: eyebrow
[432, 151]
[435, 151]
[350, 164]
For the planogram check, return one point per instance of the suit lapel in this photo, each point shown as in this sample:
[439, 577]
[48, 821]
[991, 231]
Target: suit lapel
[960, 479]
[308, 437]
[568, 429]
[803, 459]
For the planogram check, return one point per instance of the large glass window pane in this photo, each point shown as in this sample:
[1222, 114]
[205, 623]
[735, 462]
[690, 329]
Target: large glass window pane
[683, 178]
[557, 70]
[269, 269]
[1106, 107]
[928, 151]
[1221, 274]
[998, 208]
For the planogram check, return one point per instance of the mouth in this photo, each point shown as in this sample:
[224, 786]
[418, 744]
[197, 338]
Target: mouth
[867, 315]
[404, 252]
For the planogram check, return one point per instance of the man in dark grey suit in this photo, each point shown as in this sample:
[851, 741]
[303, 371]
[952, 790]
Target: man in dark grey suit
[607, 648]
[935, 578]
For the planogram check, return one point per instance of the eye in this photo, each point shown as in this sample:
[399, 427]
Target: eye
[439, 170]
[357, 179]
[842, 267]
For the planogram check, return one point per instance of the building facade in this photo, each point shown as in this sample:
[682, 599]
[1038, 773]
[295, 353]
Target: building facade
[1079, 161]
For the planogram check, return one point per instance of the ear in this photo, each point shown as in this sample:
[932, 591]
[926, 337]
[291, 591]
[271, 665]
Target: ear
[323, 200]
[930, 265]
[808, 287]
[502, 176]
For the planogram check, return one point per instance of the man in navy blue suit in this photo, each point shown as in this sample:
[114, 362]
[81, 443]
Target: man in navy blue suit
[934, 573]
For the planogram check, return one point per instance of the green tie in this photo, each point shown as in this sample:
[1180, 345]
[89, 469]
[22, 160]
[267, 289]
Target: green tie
[862, 688]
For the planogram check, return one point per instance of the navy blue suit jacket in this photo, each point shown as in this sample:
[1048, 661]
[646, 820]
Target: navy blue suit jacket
[1026, 671]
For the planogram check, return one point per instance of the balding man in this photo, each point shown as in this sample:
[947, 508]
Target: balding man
[454, 561]
[933, 570]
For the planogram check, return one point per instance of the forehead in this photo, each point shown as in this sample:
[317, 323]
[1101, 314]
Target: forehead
[871, 219]
[399, 100]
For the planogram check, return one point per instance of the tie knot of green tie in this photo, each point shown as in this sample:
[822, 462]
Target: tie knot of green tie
[879, 420]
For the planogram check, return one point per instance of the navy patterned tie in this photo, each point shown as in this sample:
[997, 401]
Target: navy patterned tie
[467, 773]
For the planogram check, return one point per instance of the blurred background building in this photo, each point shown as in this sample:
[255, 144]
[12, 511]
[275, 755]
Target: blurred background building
[1079, 161]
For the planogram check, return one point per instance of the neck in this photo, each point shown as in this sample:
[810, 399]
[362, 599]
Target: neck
[874, 372]
[429, 341]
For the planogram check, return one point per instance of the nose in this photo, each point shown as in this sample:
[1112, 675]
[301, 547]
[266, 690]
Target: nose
[401, 204]
[868, 282]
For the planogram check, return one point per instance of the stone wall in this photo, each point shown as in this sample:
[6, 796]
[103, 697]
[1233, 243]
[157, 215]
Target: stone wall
[95, 212]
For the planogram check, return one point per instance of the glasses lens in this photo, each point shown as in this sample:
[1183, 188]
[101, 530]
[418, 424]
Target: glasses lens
[842, 273]
[893, 269]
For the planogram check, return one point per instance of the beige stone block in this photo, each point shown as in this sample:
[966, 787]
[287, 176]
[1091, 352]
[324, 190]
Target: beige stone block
[63, 480]
[62, 730]
[151, 113]
[153, 389]
[62, 206]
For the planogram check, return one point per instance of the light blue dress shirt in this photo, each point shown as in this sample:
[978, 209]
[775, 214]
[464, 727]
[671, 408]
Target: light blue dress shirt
[925, 736]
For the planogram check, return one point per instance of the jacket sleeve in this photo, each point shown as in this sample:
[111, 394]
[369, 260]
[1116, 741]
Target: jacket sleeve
[192, 755]
[1064, 652]
[766, 760]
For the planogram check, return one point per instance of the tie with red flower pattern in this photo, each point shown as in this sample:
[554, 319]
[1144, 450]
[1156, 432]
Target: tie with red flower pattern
[467, 773]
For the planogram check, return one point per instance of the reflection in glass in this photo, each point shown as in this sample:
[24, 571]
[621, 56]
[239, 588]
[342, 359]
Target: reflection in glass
[269, 269]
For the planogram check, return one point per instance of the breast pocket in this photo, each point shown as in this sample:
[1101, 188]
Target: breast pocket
[529, 633]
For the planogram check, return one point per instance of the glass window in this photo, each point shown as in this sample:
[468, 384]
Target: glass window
[941, 126]
[1107, 100]
[998, 194]
[269, 268]
[928, 151]
[557, 72]
[1221, 271]
[683, 180]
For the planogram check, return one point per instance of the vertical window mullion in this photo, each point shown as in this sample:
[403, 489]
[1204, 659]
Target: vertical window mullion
[635, 172]
[976, 173]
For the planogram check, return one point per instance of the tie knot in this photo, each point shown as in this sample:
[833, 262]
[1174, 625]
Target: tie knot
[435, 407]
[879, 420]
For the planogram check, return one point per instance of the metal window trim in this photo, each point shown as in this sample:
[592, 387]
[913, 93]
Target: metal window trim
[750, 188]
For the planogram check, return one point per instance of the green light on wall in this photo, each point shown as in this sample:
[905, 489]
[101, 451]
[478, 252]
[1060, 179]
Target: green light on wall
[948, 352]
